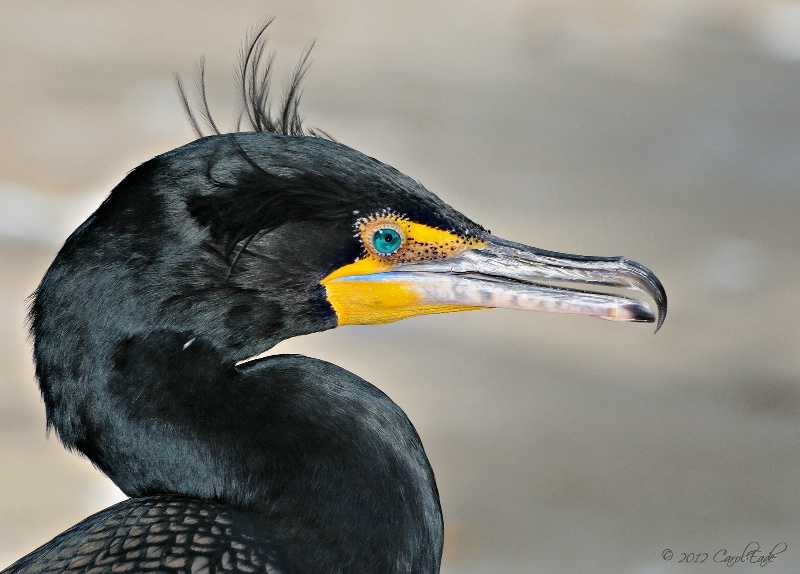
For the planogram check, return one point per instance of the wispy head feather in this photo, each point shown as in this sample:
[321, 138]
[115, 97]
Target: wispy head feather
[253, 77]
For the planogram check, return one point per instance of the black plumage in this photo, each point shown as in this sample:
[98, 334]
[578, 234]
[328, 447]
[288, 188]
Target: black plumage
[285, 461]
[140, 321]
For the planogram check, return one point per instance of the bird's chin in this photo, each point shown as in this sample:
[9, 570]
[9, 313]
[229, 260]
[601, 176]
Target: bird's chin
[499, 274]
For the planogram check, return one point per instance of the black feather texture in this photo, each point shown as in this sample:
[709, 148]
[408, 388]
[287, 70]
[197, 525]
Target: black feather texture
[165, 534]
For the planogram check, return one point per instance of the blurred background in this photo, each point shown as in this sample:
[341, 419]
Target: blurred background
[667, 131]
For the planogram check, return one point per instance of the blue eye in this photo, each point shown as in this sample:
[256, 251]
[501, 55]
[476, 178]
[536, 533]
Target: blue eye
[386, 241]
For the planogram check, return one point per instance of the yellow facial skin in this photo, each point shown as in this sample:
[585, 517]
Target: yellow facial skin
[371, 302]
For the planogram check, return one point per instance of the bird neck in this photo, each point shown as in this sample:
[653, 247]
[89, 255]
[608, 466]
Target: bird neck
[330, 470]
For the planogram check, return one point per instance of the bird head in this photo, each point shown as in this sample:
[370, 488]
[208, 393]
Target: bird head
[368, 245]
[247, 239]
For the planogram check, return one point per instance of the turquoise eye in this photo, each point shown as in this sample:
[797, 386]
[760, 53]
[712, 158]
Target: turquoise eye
[386, 241]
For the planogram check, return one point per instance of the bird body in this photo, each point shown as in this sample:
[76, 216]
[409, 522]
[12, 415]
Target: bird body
[145, 325]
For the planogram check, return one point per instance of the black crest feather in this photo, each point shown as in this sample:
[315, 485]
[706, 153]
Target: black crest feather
[254, 78]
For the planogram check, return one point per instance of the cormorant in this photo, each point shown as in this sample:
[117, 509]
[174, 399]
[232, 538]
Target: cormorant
[213, 252]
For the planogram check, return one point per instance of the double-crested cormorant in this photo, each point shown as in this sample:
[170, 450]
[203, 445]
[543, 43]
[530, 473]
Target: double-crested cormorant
[213, 252]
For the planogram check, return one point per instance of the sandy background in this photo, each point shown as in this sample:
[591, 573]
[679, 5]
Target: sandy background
[666, 131]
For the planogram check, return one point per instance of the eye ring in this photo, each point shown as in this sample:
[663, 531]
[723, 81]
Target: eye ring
[382, 237]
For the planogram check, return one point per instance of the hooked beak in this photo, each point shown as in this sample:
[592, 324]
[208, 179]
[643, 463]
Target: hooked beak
[501, 274]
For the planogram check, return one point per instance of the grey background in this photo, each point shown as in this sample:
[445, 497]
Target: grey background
[666, 131]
